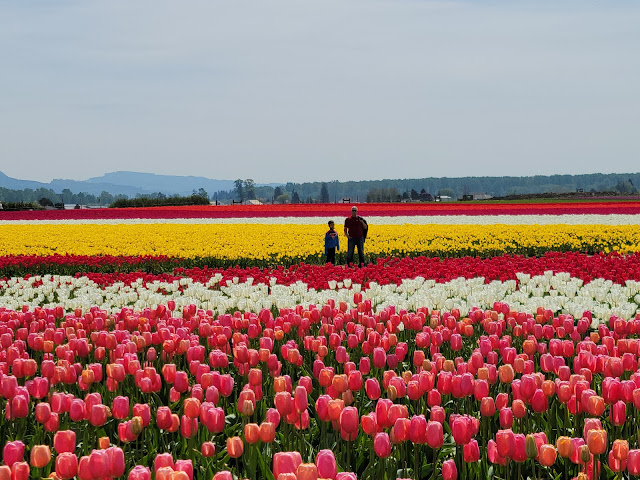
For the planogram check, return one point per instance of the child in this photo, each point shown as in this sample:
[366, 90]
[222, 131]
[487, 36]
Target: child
[331, 243]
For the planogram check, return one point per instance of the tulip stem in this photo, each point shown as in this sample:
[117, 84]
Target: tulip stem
[435, 461]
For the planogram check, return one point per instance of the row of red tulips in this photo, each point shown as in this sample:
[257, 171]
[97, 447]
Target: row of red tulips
[332, 210]
[420, 386]
[615, 267]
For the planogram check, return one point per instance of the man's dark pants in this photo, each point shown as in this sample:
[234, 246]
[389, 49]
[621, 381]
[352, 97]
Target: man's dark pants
[352, 243]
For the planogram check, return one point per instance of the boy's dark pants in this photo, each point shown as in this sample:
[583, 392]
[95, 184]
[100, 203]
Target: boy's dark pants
[331, 255]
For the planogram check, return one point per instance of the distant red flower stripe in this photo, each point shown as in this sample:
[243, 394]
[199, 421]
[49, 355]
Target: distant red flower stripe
[615, 267]
[323, 210]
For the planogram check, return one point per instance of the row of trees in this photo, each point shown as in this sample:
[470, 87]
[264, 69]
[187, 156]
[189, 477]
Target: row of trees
[371, 191]
[29, 195]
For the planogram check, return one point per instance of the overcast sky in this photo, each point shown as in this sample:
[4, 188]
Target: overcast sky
[298, 90]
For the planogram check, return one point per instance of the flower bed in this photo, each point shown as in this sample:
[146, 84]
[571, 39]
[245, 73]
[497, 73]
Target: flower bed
[474, 351]
[263, 245]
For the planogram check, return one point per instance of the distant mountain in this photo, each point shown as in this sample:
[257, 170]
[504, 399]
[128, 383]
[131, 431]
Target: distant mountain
[126, 183]
[15, 184]
[167, 184]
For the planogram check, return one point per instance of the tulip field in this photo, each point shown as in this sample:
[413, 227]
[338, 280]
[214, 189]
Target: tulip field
[497, 341]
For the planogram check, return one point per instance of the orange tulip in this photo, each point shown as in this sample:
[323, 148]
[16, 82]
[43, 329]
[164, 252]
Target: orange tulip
[307, 471]
[547, 456]
[563, 444]
[505, 373]
[103, 443]
[235, 447]
[40, 456]
[251, 433]
[340, 383]
[279, 384]
[548, 388]
[620, 449]
[597, 441]
[164, 473]
[267, 432]
[335, 408]
[595, 405]
[191, 407]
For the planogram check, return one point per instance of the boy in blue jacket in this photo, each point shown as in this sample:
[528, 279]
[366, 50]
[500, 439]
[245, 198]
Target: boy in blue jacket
[331, 243]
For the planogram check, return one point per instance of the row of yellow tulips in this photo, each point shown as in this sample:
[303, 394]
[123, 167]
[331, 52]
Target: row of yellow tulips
[276, 242]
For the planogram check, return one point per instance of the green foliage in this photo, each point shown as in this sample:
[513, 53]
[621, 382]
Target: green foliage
[8, 206]
[160, 202]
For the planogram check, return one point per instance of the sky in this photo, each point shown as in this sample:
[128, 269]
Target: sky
[306, 90]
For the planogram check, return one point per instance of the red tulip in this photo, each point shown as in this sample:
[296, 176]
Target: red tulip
[20, 471]
[99, 463]
[64, 441]
[349, 420]
[471, 451]
[435, 436]
[286, 462]
[300, 399]
[505, 442]
[163, 460]
[185, 466]
[99, 415]
[633, 462]
[120, 407]
[208, 449]
[43, 412]
[66, 465]
[326, 463]
[539, 402]
[418, 430]
[372, 388]
[382, 445]
[449, 470]
[139, 473]
[618, 413]
[13, 452]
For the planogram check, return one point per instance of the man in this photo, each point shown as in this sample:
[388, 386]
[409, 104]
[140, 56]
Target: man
[354, 227]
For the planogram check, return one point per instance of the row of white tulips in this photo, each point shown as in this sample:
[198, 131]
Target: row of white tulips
[559, 292]
[612, 219]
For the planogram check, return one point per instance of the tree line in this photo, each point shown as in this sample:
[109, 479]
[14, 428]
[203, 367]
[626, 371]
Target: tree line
[355, 191]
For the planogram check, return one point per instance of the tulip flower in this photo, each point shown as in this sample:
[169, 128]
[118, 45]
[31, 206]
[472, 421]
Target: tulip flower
[435, 436]
[471, 451]
[66, 465]
[449, 470]
[64, 441]
[235, 447]
[633, 462]
[20, 471]
[620, 449]
[13, 452]
[547, 456]
[326, 463]
[597, 441]
[382, 445]
[307, 471]
[40, 456]
[208, 449]
[139, 473]
[286, 462]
